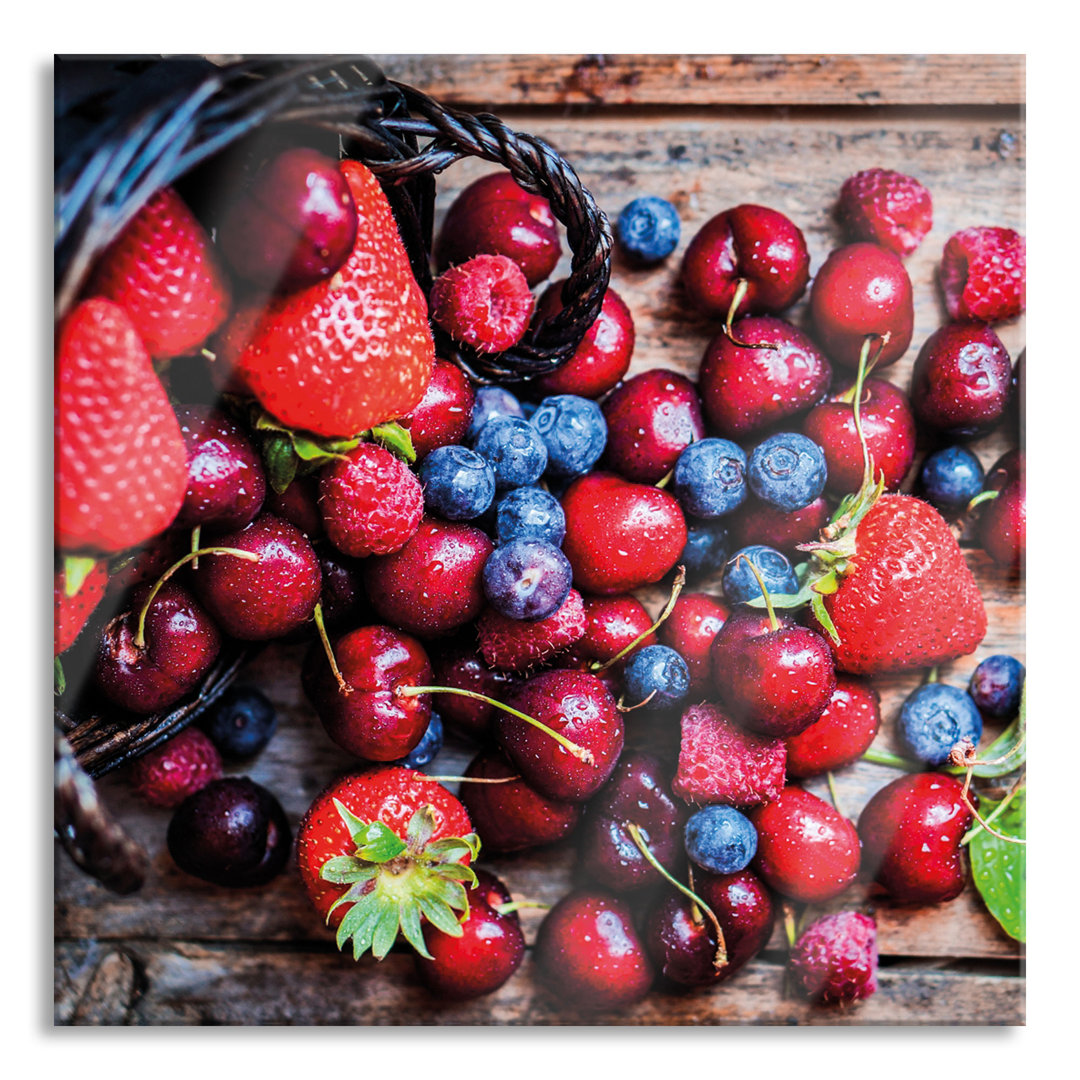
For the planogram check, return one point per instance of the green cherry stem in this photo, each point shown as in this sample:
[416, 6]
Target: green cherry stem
[741, 287]
[467, 779]
[195, 534]
[884, 757]
[774, 622]
[982, 497]
[866, 365]
[665, 479]
[624, 708]
[324, 637]
[669, 607]
[517, 905]
[831, 780]
[789, 925]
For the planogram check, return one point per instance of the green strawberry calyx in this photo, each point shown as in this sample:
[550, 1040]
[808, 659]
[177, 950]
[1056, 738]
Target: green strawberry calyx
[394, 884]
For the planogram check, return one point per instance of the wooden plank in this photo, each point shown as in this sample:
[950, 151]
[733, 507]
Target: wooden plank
[672, 81]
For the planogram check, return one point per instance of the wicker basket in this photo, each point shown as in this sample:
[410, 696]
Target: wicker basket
[125, 128]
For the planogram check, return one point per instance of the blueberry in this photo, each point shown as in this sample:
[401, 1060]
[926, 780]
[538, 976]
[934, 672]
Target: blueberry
[648, 229]
[458, 483]
[707, 547]
[659, 671]
[934, 718]
[776, 571]
[949, 479]
[720, 839]
[514, 449]
[527, 579]
[574, 432]
[491, 401]
[787, 470]
[530, 513]
[240, 723]
[427, 749]
[710, 478]
[996, 685]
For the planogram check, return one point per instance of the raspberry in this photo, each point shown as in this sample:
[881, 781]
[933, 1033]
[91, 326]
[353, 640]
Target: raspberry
[485, 302]
[886, 208]
[185, 764]
[721, 763]
[371, 502]
[836, 957]
[984, 274]
[514, 645]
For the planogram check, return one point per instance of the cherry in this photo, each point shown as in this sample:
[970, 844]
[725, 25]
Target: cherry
[270, 596]
[299, 505]
[602, 358]
[442, 415]
[226, 484]
[752, 245]
[962, 381]
[690, 629]
[911, 831]
[612, 623]
[577, 706]
[488, 951]
[862, 289]
[620, 535]
[463, 667]
[806, 850]
[496, 216]
[434, 584]
[762, 523]
[147, 671]
[638, 794]
[589, 954]
[842, 733]
[651, 418]
[888, 426]
[343, 598]
[682, 941]
[745, 390]
[296, 224]
[1003, 526]
[512, 816]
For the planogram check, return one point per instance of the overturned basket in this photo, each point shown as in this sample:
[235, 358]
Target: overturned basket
[126, 128]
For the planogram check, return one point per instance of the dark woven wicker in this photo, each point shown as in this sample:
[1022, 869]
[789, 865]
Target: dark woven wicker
[127, 127]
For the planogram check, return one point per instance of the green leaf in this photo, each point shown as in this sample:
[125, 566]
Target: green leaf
[440, 916]
[823, 617]
[76, 567]
[385, 932]
[409, 918]
[420, 829]
[280, 460]
[357, 918]
[378, 844]
[456, 872]
[396, 439]
[346, 870]
[999, 868]
[454, 848]
[59, 682]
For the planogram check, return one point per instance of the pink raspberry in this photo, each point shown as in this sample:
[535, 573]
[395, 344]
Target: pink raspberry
[836, 957]
[371, 502]
[515, 645]
[484, 302]
[887, 208]
[167, 775]
[984, 274]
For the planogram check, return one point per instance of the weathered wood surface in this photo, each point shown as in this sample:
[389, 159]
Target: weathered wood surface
[182, 952]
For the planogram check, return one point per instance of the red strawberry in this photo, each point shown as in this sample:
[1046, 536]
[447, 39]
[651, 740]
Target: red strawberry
[515, 645]
[721, 763]
[163, 272]
[380, 850]
[984, 274]
[347, 354]
[121, 462]
[167, 775]
[74, 602]
[886, 208]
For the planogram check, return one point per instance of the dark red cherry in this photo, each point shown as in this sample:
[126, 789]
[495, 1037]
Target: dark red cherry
[651, 419]
[690, 629]
[463, 667]
[862, 289]
[512, 816]
[745, 390]
[441, 418]
[911, 832]
[343, 597]
[611, 624]
[762, 523]
[299, 505]
[588, 952]
[841, 735]
[1002, 528]
[370, 719]
[746, 243]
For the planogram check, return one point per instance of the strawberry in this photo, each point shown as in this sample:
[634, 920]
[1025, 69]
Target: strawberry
[121, 462]
[381, 850]
[515, 644]
[347, 354]
[984, 274]
[77, 591]
[162, 270]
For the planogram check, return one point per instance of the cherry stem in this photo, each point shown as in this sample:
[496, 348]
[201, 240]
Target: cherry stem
[721, 958]
[982, 497]
[741, 287]
[665, 479]
[832, 792]
[789, 925]
[865, 367]
[467, 779]
[578, 751]
[773, 621]
[884, 757]
[984, 823]
[517, 905]
[140, 629]
[195, 534]
[932, 675]
[320, 624]
[624, 708]
[669, 607]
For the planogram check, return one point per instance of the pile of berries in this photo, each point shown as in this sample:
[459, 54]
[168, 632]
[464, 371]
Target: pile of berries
[256, 442]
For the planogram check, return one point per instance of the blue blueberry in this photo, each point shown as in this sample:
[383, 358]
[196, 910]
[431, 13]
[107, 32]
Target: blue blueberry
[491, 401]
[996, 685]
[659, 671]
[787, 470]
[707, 547]
[530, 513]
[427, 749]
[648, 229]
[720, 839]
[527, 579]
[574, 431]
[514, 449]
[458, 483]
[934, 718]
[240, 723]
[949, 479]
[776, 571]
[710, 478]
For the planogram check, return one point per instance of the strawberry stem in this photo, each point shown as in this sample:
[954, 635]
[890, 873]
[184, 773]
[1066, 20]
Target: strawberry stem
[741, 287]
[320, 625]
[669, 607]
